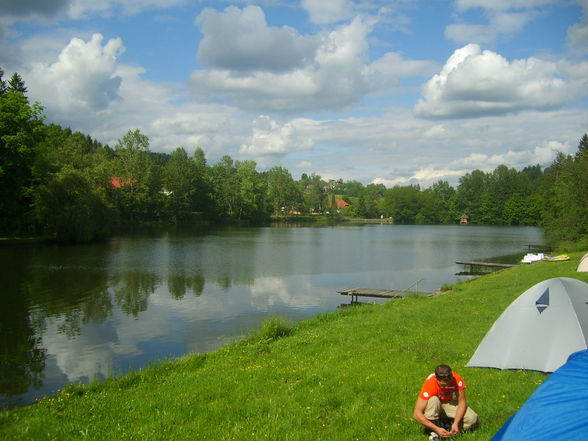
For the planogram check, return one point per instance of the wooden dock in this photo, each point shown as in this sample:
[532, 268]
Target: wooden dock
[487, 264]
[355, 293]
[540, 248]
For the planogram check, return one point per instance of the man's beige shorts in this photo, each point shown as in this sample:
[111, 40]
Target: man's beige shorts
[435, 409]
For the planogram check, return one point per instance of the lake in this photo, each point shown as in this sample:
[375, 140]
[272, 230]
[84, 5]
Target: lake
[76, 313]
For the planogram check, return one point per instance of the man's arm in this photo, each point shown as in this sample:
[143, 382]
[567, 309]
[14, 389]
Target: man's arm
[462, 405]
[419, 415]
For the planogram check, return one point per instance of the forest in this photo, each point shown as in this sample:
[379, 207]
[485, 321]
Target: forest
[64, 185]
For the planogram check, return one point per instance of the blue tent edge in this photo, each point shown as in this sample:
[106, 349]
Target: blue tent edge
[517, 424]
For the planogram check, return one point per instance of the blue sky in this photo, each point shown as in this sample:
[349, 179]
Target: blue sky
[394, 92]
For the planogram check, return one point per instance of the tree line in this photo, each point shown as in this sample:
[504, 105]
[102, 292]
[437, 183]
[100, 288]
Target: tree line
[65, 185]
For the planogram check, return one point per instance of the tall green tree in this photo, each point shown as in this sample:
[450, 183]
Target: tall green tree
[225, 187]
[282, 192]
[472, 193]
[16, 84]
[21, 128]
[503, 184]
[444, 199]
[565, 211]
[582, 147]
[251, 203]
[138, 179]
[71, 209]
[314, 193]
[203, 197]
[369, 201]
[3, 85]
[181, 186]
[402, 203]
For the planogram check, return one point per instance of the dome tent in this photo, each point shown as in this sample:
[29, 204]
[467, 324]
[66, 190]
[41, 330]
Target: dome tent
[557, 410]
[539, 330]
[583, 265]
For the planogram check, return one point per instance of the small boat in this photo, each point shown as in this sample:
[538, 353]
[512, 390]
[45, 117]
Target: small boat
[560, 258]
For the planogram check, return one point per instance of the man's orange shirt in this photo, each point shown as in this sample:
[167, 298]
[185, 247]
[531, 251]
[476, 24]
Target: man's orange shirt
[432, 388]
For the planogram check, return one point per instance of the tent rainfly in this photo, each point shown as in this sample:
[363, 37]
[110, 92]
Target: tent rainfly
[539, 330]
[557, 409]
[583, 265]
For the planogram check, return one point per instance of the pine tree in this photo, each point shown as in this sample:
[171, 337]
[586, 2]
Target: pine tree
[583, 147]
[16, 84]
[3, 86]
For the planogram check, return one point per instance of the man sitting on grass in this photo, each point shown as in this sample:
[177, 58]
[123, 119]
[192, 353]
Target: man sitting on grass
[443, 399]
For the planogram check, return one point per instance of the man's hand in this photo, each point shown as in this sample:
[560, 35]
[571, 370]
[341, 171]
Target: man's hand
[443, 433]
[454, 429]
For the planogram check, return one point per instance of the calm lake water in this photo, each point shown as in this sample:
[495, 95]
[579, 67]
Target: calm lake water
[74, 313]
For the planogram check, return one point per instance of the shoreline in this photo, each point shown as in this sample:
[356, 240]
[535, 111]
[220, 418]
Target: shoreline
[329, 376]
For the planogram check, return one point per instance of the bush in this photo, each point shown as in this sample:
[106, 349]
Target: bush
[273, 329]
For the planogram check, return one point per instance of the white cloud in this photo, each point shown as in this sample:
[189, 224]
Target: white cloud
[270, 137]
[241, 40]
[383, 73]
[333, 78]
[30, 8]
[12, 11]
[427, 176]
[542, 154]
[500, 24]
[475, 82]
[273, 69]
[505, 19]
[326, 12]
[501, 5]
[437, 131]
[389, 183]
[578, 33]
[87, 78]
[84, 8]
[83, 78]
[465, 33]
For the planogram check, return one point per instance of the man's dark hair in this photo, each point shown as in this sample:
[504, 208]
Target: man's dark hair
[443, 371]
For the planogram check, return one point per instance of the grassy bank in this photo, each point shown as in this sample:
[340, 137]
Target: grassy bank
[353, 374]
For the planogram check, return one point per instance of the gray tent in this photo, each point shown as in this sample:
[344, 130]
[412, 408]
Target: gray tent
[583, 265]
[539, 330]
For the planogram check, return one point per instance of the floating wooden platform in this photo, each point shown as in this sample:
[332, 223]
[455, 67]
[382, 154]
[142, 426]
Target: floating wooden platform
[355, 293]
[488, 264]
[539, 247]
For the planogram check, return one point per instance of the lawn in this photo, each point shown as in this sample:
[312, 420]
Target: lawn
[353, 374]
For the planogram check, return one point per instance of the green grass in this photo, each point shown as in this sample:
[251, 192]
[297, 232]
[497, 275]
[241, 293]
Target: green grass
[353, 374]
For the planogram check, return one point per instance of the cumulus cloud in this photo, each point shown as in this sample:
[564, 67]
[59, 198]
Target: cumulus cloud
[500, 23]
[540, 154]
[385, 72]
[500, 5]
[505, 18]
[326, 12]
[273, 69]
[241, 40]
[578, 33]
[82, 79]
[270, 137]
[437, 131]
[86, 78]
[32, 8]
[475, 82]
[332, 79]
[16, 10]
[85, 8]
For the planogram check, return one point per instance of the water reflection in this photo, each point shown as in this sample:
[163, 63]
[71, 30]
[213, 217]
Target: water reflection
[22, 356]
[84, 312]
